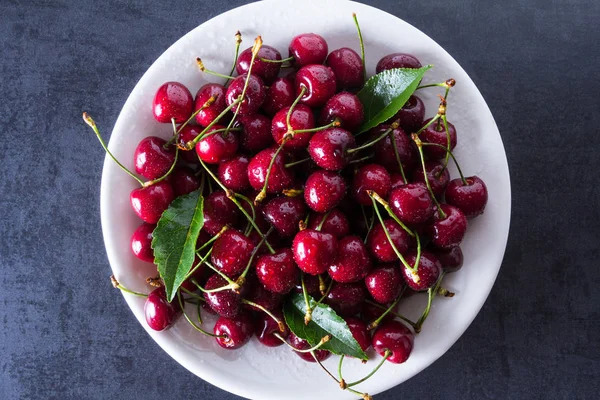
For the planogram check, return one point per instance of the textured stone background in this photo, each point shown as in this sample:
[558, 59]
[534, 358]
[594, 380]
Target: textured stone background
[67, 335]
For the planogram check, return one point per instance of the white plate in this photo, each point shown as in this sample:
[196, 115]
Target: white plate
[255, 371]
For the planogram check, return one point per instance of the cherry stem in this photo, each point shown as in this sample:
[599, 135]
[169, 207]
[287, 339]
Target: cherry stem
[231, 283]
[375, 323]
[447, 142]
[362, 46]
[297, 162]
[395, 314]
[276, 61]
[194, 295]
[279, 323]
[430, 295]
[419, 144]
[323, 340]
[445, 292]
[162, 178]
[387, 207]
[358, 160]
[263, 192]
[238, 42]
[88, 120]
[117, 285]
[371, 143]
[211, 240]
[447, 84]
[364, 213]
[334, 123]
[249, 202]
[324, 295]
[198, 305]
[308, 312]
[320, 226]
[191, 272]
[188, 319]
[387, 354]
[340, 382]
[226, 130]
[242, 278]
[177, 130]
[448, 152]
[190, 145]
[397, 155]
[210, 72]
[431, 121]
[322, 287]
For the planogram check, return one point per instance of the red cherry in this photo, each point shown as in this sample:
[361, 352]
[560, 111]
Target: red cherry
[451, 260]
[159, 313]
[187, 134]
[471, 198]
[370, 177]
[141, 242]
[384, 283]
[218, 212]
[226, 303]
[379, 245]
[347, 67]
[280, 178]
[236, 331]
[301, 118]
[256, 132]
[411, 115]
[395, 337]
[151, 159]
[265, 329]
[335, 223]
[433, 134]
[184, 181]
[217, 147]
[256, 293]
[437, 175]
[359, 331]
[397, 60]
[314, 251]
[255, 94]
[346, 299]
[207, 115]
[277, 272]
[233, 173]
[384, 149]
[428, 271]
[347, 108]
[324, 190]
[318, 82]
[150, 202]
[172, 100]
[328, 148]
[308, 48]
[302, 344]
[231, 252]
[411, 203]
[280, 94]
[267, 71]
[353, 262]
[285, 213]
[448, 231]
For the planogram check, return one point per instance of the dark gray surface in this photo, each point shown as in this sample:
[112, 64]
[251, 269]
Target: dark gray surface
[67, 335]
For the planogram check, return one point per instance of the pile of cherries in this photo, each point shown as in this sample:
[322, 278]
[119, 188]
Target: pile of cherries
[356, 220]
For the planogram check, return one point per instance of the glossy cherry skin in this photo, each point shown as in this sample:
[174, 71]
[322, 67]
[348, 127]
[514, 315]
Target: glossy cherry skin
[172, 100]
[217, 147]
[328, 148]
[448, 232]
[208, 114]
[285, 213]
[255, 94]
[233, 173]
[231, 252]
[318, 82]
[436, 173]
[218, 212]
[150, 202]
[280, 178]
[384, 283]
[277, 272]
[411, 115]
[347, 108]
[159, 313]
[429, 271]
[308, 48]
[302, 344]
[141, 242]
[268, 71]
[324, 190]
[451, 260]
[346, 299]
[397, 60]
[280, 94]
[151, 159]
[370, 177]
[411, 203]
[301, 118]
[236, 331]
[314, 251]
[335, 223]
[471, 198]
[347, 67]
[379, 246]
[395, 337]
[265, 327]
[184, 181]
[256, 132]
[353, 262]
[384, 149]
[433, 134]
[226, 303]
[359, 332]
[187, 134]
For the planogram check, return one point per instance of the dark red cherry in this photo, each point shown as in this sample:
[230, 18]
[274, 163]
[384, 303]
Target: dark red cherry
[411, 203]
[411, 115]
[335, 223]
[302, 344]
[384, 149]
[448, 231]
[353, 262]
[255, 94]
[396, 181]
[172, 100]
[370, 177]
[141, 242]
[384, 283]
[346, 299]
[324, 190]
[280, 94]
[187, 134]
[218, 212]
[359, 331]
[328, 148]
[314, 251]
[397, 60]
[371, 312]
[268, 71]
[277, 272]
[428, 271]
[256, 132]
[226, 303]
[207, 115]
[451, 260]
[347, 67]
[395, 337]
[471, 198]
[159, 313]
[308, 48]
[347, 108]
[301, 118]
[437, 134]
[436, 173]
[256, 293]
[284, 213]
[265, 329]
[150, 202]
[184, 181]
[151, 159]
[231, 252]
[217, 147]
[280, 177]
[233, 333]
[379, 245]
[318, 82]
[233, 173]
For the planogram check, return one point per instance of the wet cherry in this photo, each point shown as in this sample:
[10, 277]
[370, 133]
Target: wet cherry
[324, 190]
[308, 48]
[208, 114]
[277, 272]
[150, 202]
[471, 198]
[328, 148]
[159, 313]
[235, 331]
[172, 100]
[353, 262]
[151, 159]
[395, 337]
[314, 251]
[318, 82]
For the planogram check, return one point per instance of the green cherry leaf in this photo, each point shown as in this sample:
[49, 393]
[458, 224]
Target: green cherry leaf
[324, 322]
[174, 239]
[387, 92]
